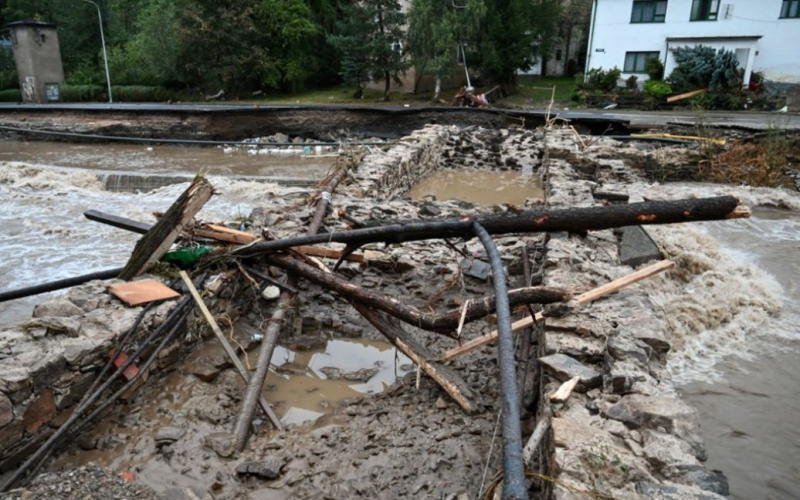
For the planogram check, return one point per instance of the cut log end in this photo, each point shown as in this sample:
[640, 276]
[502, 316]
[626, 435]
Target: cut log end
[740, 212]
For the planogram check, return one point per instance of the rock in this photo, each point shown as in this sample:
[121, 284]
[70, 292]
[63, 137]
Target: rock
[269, 468]
[168, 434]
[362, 375]
[6, 410]
[637, 247]
[674, 492]
[305, 343]
[579, 347]
[60, 308]
[441, 403]
[39, 412]
[271, 293]
[642, 329]
[54, 325]
[697, 475]
[204, 369]
[663, 450]
[430, 209]
[475, 268]
[48, 369]
[223, 443]
[672, 415]
[564, 368]
[621, 347]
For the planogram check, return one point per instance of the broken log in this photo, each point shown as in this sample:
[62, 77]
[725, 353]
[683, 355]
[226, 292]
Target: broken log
[58, 284]
[163, 234]
[576, 220]
[227, 346]
[118, 222]
[441, 323]
[446, 377]
[583, 298]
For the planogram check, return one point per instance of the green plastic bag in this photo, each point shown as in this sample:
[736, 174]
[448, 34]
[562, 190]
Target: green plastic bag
[185, 257]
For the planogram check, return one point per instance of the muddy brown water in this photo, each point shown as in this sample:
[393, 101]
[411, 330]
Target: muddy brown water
[751, 416]
[485, 187]
[171, 159]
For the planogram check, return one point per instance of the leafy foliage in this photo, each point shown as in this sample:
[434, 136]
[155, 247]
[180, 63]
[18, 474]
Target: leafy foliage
[602, 80]
[371, 43]
[654, 68]
[658, 90]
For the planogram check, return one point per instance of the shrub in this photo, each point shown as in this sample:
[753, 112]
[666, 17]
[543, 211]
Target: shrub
[138, 93]
[656, 89]
[82, 93]
[719, 101]
[654, 68]
[603, 80]
[11, 95]
[632, 83]
[703, 67]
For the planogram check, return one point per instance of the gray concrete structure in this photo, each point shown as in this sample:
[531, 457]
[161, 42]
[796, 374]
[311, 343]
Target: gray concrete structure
[38, 58]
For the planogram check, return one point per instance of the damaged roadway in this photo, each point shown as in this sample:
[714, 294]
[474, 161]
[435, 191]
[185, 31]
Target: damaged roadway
[623, 433]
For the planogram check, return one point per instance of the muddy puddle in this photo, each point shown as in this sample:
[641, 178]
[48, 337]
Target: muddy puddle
[172, 159]
[484, 187]
[749, 416]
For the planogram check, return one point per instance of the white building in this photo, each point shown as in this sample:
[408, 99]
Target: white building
[765, 34]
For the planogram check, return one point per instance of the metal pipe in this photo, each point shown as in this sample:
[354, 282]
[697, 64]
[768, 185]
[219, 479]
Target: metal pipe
[59, 285]
[514, 487]
[103, 40]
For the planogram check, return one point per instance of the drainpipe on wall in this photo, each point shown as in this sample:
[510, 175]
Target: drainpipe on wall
[591, 39]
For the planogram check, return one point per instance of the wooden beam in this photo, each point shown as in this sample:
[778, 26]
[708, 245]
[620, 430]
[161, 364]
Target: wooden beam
[687, 95]
[583, 298]
[228, 348]
[163, 234]
[226, 234]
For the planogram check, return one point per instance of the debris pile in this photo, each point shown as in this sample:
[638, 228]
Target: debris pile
[337, 265]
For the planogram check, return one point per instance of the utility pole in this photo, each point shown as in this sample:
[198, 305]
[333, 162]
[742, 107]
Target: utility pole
[105, 56]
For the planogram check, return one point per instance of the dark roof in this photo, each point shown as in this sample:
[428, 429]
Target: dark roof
[30, 22]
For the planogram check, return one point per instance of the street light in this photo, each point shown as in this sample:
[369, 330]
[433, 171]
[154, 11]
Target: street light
[105, 56]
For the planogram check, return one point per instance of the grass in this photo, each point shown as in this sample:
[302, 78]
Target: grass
[533, 92]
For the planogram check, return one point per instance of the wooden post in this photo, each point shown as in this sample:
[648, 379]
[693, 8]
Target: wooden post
[584, 298]
[227, 346]
[163, 234]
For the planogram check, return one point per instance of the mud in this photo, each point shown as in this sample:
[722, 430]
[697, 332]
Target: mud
[479, 186]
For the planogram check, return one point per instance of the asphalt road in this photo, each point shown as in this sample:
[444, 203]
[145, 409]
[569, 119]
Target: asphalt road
[738, 119]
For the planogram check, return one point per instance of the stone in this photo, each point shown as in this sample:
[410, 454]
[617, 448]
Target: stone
[697, 475]
[60, 308]
[269, 468]
[205, 371]
[621, 347]
[674, 492]
[643, 330]
[579, 347]
[564, 368]
[14, 379]
[475, 268]
[39, 412]
[271, 293]
[441, 403]
[637, 247]
[11, 434]
[48, 369]
[362, 375]
[6, 410]
[223, 443]
[430, 209]
[673, 415]
[663, 450]
[168, 434]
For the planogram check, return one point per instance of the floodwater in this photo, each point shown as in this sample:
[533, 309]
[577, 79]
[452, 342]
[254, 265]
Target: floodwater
[751, 414]
[484, 187]
[173, 159]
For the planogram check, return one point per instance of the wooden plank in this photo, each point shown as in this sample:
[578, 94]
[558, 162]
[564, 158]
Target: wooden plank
[583, 298]
[118, 222]
[687, 95]
[135, 293]
[227, 346]
[160, 238]
[563, 392]
[231, 236]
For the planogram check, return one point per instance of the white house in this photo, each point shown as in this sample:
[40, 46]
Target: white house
[765, 34]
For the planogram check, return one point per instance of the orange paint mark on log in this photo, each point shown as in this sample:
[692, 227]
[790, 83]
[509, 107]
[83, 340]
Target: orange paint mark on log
[126, 476]
[646, 217]
[687, 213]
[540, 220]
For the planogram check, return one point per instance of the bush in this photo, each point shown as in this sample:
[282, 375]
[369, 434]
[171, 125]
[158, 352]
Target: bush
[731, 102]
[632, 83]
[703, 67]
[602, 80]
[656, 89]
[12, 95]
[82, 93]
[654, 68]
[141, 93]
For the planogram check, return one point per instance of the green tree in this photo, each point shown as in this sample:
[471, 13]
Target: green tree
[370, 43]
[287, 30]
[437, 29]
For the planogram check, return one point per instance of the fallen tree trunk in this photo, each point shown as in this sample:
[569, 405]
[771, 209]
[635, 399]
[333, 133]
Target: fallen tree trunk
[529, 221]
[157, 241]
[441, 323]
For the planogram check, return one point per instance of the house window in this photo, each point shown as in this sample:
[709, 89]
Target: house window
[636, 62]
[650, 11]
[558, 55]
[705, 10]
[790, 9]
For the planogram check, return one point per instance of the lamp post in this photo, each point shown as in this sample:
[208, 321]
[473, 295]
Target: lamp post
[103, 40]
